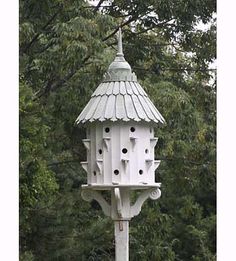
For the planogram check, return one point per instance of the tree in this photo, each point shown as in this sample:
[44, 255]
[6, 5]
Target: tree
[65, 47]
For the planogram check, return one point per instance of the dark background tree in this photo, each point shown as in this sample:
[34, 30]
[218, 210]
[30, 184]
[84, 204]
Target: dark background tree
[65, 47]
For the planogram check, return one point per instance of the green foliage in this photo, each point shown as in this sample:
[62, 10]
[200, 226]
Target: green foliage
[38, 184]
[27, 256]
[65, 47]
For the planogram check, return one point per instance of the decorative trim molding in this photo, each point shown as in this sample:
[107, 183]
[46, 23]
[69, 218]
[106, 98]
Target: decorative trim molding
[153, 194]
[121, 208]
[118, 202]
[119, 76]
[89, 195]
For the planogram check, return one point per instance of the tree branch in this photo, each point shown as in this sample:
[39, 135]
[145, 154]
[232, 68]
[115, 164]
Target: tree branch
[131, 19]
[51, 87]
[38, 34]
[153, 27]
[48, 206]
[183, 159]
[98, 6]
[62, 162]
[175, 69]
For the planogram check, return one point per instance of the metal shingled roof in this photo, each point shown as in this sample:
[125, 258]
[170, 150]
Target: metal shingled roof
[120, 101]
[120, 96]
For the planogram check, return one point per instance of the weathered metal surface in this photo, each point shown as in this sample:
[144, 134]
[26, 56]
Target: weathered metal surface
[120, 108]
[110, 107]
[130, 109]
[140, 89]
[127, 99]
[100, 110]
[122, 88]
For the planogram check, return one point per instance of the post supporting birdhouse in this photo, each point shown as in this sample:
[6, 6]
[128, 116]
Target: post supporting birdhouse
[122, 240]
[120, 143]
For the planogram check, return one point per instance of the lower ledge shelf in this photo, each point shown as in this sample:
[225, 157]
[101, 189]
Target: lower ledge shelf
[111, 186]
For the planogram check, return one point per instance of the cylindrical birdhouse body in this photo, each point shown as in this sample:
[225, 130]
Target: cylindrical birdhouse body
[120, 153]
[120, 138]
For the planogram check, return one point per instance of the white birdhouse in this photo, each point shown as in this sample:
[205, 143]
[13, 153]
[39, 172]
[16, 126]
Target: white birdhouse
[120, 138]
[120, 146]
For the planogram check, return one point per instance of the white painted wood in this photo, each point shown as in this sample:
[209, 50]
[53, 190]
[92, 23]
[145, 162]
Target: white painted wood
[123, 155]
[99, 167]
[121, 211]
[86, 143]
[106, 142]
[142, 174]
[118, 202]
[156, 164]
[99, 157]
[89, 195]
[122, 240]
[84, 165]
[128, 186]
[107, 153]
[150, 193]
[153, 141]
[121, 207]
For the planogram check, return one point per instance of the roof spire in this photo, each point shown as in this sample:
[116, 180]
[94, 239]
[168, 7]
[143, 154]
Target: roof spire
[120, 47]
[119, 65]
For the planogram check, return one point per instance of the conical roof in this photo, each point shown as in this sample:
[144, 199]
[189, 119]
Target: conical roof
[120, 96]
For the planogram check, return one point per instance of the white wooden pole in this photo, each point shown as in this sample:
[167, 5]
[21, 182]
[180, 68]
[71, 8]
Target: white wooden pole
[122, 240]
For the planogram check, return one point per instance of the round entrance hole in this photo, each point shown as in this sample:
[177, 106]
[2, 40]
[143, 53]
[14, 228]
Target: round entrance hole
[94, 173]
[107, 129]
[140, 172]
[124, 150]
[146, 151]
[100, 151]
[132, 129]
[116, 172]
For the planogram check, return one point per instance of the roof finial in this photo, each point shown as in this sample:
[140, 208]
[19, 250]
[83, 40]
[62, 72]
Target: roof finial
[120, 48]
[119, 65]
